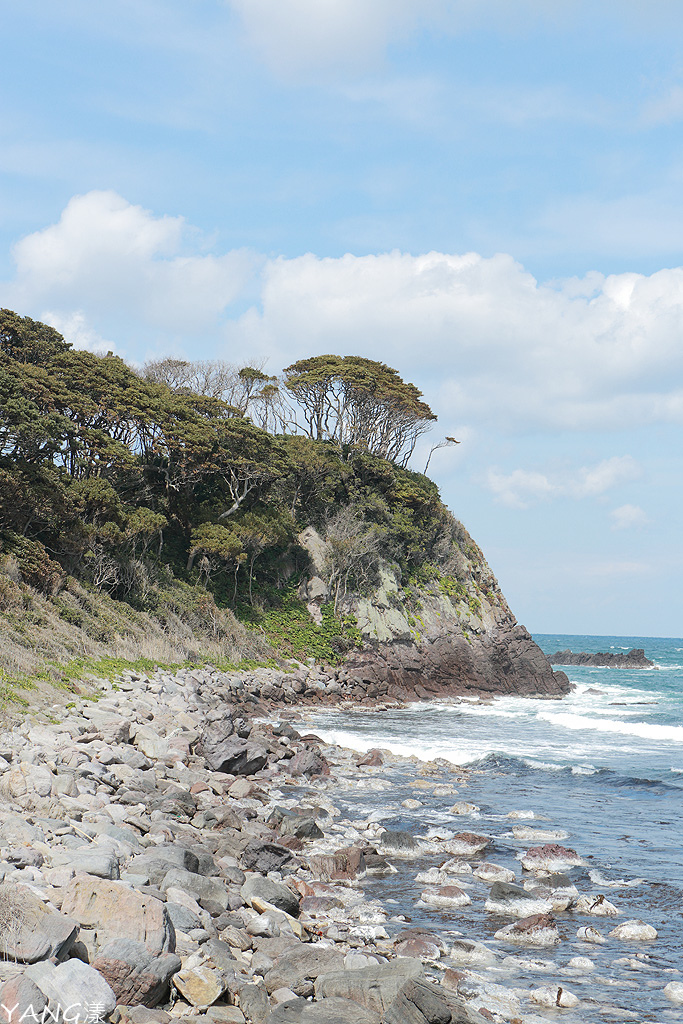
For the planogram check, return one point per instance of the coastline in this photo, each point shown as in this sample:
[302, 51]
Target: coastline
[267, 851]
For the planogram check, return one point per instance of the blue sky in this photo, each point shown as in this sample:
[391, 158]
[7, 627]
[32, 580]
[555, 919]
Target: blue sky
[487, 199]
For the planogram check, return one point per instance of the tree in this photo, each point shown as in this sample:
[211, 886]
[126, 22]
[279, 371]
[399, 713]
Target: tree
[358, 403]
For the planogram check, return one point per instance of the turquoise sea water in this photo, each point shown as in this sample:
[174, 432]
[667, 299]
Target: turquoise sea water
[604, 763]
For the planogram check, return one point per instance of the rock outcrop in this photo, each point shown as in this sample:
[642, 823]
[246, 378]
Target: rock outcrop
[447, 636]
[634, 658]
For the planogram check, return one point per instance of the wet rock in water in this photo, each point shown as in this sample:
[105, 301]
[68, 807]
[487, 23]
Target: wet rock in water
[21, 1000]
[510, 901]
[446, 896]
[557, 889]
[422, 947]
[471, 953]
[135, 975]
[591, 935]
[490, 873]
[399, 842]
[73, 984]
[553, 996]
[537, 930]
[117, 912]
[634, 931]
[539, 835]
[582, 964]
[597, 906]
[466, 844]
[492, 999]
[411, 804]
[462, 807]
[373, 759]
[550, 858]
[455, 866]
[674, 992]
[29, 931]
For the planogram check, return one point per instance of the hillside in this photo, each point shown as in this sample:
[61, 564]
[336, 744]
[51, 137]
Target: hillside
[150, 516]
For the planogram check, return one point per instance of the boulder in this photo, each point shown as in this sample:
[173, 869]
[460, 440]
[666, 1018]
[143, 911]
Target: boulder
[597, 906]
[591, 935]
[634, 931]
[446, 896]
[118, 912]
[297, 968]
[201, 887]
[466, 844]
[273, 892]
[308, 763]
[674, 992]
[264, 857]
[73, 986]
[418, 1002]
[509, 900]
[552, 996]
[399, 842]
[134, 974]
[200, 986]
[537, 930]
[326, 1011]
[29, 930]
[490, 873]
[374, 987]
[549, 858]
[225, 752]
[21, 1000]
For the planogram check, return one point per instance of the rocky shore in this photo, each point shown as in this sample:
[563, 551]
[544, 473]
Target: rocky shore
[175, 850]
[634, 658]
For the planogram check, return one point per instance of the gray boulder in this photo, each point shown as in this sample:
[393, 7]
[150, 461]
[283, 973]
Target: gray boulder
[273, 892]
[21, 1000]
[327, 1011]
[223, 751]
[374, 987]
[28, 930]
[297, 969]
[73, 985]
[199, 886]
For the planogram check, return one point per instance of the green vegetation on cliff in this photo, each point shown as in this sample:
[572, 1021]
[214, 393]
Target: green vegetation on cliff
[157, 513]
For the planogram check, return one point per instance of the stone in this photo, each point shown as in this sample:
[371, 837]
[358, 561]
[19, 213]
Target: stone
[674, 992]
[254, 1003]
[225, 752]
[326, 1011]
[375, 987]
[490, 873]
[118, 912]
[182, 917]
[298, 968]
[201, 887]
[446, 896]
[29, 931]
[591, 935]
[73, 985]
[634, 931]
[469, 952]
[553, 996]
[134, 974]
[598, 906]
[466, 844]
[200, 986]
[308, 763]
[463, 807]
[21, 999]
[537, 930]
[264, 857]
[509, 900]
[273, 892]
[399, 842]
[550, 857]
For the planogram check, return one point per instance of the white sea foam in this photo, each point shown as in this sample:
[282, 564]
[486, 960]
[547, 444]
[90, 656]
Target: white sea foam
[615, 883]
[354, 741]
[643, 730]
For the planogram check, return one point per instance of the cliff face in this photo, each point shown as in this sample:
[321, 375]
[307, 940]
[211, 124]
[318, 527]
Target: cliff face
[450, 635]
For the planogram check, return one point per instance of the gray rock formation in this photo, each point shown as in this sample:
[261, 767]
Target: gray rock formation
[635, 658]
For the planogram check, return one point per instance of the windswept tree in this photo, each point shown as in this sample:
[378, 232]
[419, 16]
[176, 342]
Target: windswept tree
[358, 403]
[241, 388]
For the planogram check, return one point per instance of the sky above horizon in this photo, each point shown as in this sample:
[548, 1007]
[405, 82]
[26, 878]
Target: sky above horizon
[488, 200]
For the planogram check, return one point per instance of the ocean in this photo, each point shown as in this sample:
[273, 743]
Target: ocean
[604, 764]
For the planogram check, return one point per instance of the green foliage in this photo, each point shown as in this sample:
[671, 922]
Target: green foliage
[290, 629]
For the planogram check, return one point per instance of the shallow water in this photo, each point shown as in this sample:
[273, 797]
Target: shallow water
[605, 764]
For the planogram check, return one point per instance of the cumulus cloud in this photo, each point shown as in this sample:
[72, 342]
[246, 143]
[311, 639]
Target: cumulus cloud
[500, 346]
[106, 256]
[522, 488]
[490, 345]
[628, 517]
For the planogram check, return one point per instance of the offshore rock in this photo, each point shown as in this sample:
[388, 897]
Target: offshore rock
[634, 658]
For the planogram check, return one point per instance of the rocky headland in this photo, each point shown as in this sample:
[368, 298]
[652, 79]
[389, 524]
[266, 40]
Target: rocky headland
[634, 658]
[172, 849]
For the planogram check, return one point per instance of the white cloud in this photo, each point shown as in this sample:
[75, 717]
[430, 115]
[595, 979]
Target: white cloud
[628, 517]
[521, 488]
[500, 346]
[74, 327]
[107, 257]
[490, 345]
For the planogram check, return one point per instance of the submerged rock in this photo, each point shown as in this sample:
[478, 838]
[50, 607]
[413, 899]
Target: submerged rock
[537, 930]
[634, 931]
